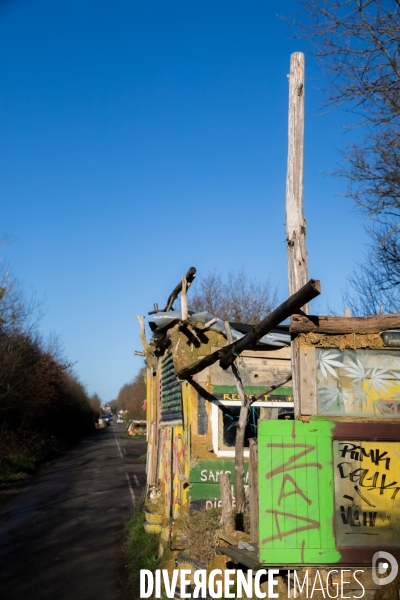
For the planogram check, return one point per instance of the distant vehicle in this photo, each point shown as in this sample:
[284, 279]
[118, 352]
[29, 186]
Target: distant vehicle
[119, 420]
[107, 419]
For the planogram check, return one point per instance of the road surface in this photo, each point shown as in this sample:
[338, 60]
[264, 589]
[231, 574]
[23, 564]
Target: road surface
[61, 536]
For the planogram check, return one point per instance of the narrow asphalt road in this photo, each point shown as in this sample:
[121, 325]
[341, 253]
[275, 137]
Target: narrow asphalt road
[61, 537]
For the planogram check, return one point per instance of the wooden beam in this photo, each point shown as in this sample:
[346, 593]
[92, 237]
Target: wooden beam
[309, 291]
[190, 275]
[295, 221]
[290, 306]
[343, 325]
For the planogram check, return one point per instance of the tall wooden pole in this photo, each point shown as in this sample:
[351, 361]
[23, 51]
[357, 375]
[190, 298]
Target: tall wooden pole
[295, 221]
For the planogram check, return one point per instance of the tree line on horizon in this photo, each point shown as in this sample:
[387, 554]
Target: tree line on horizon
[43, 405]
[131, 397]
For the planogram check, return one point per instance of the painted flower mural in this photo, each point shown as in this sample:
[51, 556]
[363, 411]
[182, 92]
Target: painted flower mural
[358, 382]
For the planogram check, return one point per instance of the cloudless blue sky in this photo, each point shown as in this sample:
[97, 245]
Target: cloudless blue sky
[139, 138]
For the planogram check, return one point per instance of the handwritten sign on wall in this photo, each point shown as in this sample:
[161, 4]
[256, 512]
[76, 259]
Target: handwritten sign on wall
[367, 493]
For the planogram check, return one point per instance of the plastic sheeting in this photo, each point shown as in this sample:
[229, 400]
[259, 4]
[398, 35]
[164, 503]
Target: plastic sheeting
[163, 319]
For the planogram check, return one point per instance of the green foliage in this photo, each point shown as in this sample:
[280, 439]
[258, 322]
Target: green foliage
[141, 549]
[43, 406]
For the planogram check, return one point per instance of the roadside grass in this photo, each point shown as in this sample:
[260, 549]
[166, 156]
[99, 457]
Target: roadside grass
[16, 468]
[18, 463]
[141, 550]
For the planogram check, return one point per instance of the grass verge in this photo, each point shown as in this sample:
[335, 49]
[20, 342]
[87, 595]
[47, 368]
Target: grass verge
[19, 463]
[142, 550]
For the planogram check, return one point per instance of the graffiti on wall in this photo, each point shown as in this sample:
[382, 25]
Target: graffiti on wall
[367, 499]
[180, 466]
[295, 493]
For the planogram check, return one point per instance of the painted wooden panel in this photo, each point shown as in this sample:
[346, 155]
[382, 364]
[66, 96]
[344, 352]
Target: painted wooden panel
[165, 468]
[204, 482]
[208, 471]
[358, 382]
[367, 498]
[296, 495]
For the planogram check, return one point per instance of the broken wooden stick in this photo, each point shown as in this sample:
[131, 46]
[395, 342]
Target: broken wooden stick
[142, 333]
[184, 304]
[227, 354]
[190, 275]
[309, 291]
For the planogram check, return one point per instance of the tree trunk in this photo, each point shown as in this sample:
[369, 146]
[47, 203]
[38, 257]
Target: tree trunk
[240, 433]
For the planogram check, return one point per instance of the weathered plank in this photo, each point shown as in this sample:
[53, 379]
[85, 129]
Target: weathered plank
[307, 380]
[243, 557]
[343, 325]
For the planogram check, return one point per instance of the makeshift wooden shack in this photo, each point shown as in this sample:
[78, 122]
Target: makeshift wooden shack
[191, 420]
[329, 481]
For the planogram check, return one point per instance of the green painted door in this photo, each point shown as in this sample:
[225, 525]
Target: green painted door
[296, 493]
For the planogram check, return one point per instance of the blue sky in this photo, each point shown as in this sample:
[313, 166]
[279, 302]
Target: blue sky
[139, 138]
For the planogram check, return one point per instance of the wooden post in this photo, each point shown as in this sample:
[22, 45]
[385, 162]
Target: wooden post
[253, 491]
[142, 334]
[227, 517]
[295, 222]
[240, 432]
[184, 304]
